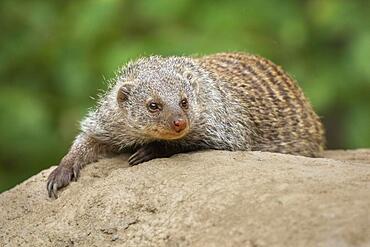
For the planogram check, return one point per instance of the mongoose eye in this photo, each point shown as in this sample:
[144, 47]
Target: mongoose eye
[154, 107]
[184, 104]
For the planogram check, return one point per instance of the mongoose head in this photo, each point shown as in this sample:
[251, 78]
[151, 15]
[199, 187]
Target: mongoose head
[158, 97]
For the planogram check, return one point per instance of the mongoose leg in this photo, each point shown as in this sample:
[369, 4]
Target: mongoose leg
[150, 151]
[84, 150]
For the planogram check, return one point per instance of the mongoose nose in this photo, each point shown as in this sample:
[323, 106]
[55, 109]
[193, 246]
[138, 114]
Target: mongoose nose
[179, 124]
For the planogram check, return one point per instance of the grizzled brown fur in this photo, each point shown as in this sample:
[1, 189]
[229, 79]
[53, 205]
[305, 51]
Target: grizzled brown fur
[283, 119]
[160, 106]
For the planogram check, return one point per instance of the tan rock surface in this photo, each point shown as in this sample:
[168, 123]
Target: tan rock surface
[210, 198]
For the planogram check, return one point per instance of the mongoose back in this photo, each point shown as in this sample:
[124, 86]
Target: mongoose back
[159, 106]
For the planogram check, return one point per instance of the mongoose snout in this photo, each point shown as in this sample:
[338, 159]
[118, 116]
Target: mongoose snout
[179, 124]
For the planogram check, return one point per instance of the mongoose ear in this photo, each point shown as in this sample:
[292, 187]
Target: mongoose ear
[124, 92]
[191, 78]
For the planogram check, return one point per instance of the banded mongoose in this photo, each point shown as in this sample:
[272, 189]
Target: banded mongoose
[159, 106]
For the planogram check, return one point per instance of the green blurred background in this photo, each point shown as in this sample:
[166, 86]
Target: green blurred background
[55, 55]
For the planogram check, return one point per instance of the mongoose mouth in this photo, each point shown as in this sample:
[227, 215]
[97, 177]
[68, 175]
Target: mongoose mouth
[176, 128]
[166, 134]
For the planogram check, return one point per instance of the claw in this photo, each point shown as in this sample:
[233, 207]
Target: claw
[52, 188]
[60, 177]
[131, 158]
[55, 189]
[48, 187]
[137, 157]
[143, 154]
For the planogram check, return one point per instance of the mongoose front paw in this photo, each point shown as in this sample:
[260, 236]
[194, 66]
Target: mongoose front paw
[61, 177]
[143, 154]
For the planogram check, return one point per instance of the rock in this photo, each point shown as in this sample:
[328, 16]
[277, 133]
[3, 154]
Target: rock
[209, 198]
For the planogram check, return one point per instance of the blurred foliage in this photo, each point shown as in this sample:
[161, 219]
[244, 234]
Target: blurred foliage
[55, 55]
